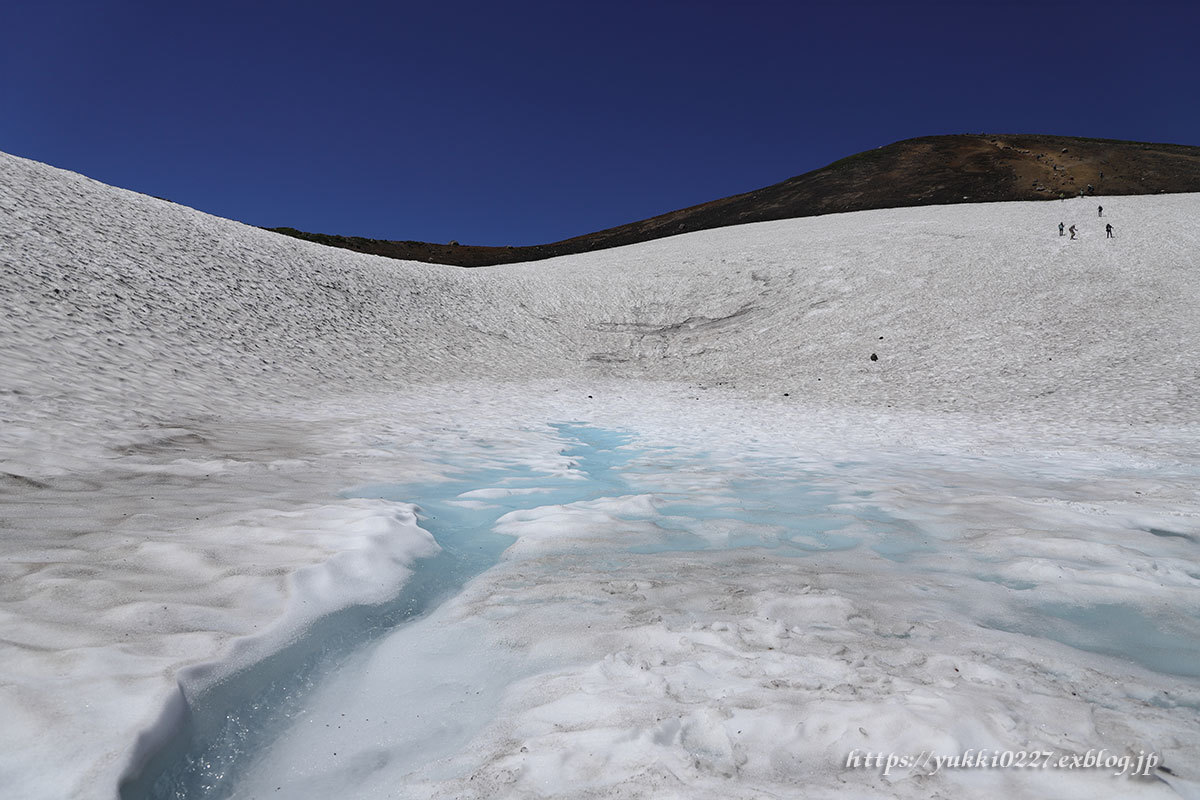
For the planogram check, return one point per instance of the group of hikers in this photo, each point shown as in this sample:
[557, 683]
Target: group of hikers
[1108, 228]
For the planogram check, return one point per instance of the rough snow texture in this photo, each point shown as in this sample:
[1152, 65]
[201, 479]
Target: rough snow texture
[184, 397]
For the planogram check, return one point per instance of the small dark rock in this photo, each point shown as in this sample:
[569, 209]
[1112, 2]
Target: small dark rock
[785, 394]
[874, 357]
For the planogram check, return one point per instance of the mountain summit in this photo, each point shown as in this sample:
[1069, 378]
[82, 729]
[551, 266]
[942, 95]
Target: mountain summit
[931, 170]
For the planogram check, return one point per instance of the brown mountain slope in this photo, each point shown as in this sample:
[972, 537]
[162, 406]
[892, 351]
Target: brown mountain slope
[933, 170]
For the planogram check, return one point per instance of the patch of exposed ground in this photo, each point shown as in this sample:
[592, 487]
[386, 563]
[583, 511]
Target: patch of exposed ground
[933, 170]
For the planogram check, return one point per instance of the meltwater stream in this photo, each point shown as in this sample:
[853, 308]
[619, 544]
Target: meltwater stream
[234, 722]
[230, 724]
[442, 687]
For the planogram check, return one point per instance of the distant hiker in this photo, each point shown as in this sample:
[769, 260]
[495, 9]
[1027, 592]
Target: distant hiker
[1072, 230]
[1060, 229]
[1099, 211]
[1108, 231]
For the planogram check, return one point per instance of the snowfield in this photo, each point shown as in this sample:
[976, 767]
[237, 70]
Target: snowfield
[282, 520]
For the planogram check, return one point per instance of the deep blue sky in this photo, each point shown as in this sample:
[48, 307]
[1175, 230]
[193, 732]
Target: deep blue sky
[525, 122]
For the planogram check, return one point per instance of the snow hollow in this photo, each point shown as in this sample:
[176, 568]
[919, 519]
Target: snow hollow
[702, 517]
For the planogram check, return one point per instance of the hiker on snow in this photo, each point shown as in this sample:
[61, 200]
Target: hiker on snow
[1060, 229]
[1108, 231]
[1100, 211]
[1072, 230]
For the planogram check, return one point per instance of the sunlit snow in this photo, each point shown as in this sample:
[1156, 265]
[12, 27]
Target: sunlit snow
[287, 521]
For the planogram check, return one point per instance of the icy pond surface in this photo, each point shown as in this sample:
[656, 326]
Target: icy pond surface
[431, 681]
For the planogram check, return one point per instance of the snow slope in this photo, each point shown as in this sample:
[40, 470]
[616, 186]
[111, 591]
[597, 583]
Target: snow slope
[186, 399]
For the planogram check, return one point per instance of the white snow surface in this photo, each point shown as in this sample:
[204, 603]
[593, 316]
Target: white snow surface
[186, 403]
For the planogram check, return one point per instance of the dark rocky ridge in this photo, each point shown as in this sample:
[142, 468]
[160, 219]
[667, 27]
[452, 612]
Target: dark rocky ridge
[932, 170]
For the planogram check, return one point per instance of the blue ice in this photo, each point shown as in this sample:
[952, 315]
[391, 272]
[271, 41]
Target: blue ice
[1164, 642]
